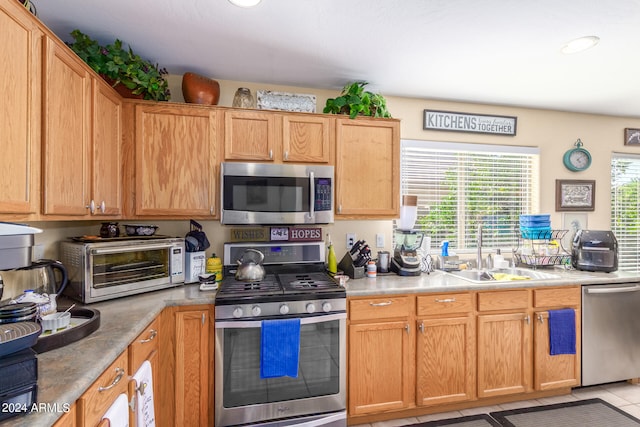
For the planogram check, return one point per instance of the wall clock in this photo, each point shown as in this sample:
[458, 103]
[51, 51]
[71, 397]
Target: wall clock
[577, 159]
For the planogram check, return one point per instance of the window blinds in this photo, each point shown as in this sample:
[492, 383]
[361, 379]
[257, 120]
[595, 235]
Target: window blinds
[461, 185]
[625, 202]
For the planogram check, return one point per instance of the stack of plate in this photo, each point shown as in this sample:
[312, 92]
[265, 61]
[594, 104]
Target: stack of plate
[20, 312]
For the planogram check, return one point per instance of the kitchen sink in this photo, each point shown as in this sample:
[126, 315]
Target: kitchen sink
[503, 275]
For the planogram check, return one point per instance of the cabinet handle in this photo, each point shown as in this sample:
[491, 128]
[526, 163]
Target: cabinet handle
[286, 155]
[340, 208]
[380, 304]
[446, 300]
[421, 327]
[152, 335]
[407, 328]
[92, 207]
[527, 319]
[270, 154]
[103, 206]
[210, 210]
[203, 318]
[116, 380]
[540, 318]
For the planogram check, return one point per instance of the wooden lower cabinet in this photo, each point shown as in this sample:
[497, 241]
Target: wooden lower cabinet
[92, 405]
[445, 351]
[467, 346]
[68, 419]
[381, 353]
[186, 358]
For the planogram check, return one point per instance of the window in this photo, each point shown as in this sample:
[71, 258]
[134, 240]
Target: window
[461, 185]
[625, 201]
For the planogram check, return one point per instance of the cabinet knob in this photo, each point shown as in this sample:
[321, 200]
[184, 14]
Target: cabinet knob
[286, 155]
[91, 206]
[270, 154]
[103, 207]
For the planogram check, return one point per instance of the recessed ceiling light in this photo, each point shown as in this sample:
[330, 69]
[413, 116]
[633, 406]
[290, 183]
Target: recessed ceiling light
[245, 3]
[580, 44]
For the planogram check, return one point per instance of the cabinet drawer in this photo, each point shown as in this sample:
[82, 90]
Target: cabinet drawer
[435, 304]
[379, 308]
[143, 346]
[559, 297]
[103, 392]
[503, 300]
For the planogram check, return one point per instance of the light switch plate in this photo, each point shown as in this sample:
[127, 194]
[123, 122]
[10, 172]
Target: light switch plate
[379, 240]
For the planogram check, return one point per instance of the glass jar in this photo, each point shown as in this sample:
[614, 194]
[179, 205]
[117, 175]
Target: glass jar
[243, 98]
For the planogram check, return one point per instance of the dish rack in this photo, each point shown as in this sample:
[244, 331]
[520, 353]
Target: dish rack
[539, 252]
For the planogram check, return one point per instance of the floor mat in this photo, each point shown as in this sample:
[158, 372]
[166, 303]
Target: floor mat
[582, 413]
[481, 420]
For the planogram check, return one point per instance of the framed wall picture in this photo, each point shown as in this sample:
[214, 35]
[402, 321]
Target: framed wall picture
[631, 136]
[572, 222]
[575, 195]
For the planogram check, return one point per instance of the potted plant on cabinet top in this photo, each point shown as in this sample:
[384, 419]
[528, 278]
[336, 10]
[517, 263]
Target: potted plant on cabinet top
[118, 66]
[354, 100]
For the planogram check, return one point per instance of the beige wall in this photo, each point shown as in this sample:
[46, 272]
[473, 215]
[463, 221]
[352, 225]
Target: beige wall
[553, 131]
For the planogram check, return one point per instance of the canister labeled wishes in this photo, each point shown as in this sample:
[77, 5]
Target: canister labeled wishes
[371, 269]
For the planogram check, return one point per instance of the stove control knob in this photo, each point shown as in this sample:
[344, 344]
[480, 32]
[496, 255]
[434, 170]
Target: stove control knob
[326, 307]
[256, 310]
[284, 309]
[311, 308]
[237, 312]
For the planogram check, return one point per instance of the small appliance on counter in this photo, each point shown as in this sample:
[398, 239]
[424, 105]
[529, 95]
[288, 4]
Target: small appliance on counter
[594, 250]
[19, 385]
[16, 243]
[405, 261]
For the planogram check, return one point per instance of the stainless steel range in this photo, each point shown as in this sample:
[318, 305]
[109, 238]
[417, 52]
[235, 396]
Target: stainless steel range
[294, 291]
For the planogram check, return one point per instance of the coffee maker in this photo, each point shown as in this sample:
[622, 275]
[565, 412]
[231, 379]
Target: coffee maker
[405, 261]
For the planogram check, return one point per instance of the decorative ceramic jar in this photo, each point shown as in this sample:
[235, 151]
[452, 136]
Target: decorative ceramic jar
[244, 99]
[109, 229]
[197, 89]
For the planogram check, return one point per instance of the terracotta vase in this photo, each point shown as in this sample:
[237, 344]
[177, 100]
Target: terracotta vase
[197, 89]
[124, 91]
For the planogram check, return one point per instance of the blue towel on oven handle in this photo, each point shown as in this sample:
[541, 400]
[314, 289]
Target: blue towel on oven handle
[279, 348]
[562, 331]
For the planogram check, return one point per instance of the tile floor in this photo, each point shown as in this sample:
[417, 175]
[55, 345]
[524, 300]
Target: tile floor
[622, 394]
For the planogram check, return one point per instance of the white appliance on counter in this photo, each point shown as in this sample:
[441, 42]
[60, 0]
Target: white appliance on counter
[122, 266]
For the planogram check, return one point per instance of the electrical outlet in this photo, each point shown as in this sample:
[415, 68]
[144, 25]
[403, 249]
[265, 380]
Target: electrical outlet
[351, 239]
[379, 240]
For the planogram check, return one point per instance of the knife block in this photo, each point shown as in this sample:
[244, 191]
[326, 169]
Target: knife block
[346, 265]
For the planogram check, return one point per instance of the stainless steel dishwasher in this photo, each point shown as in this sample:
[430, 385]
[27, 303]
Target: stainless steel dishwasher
[610, 333]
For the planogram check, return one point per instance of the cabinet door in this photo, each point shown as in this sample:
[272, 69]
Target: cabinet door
[504, 354]
[380, 361]
[306, 139]
[558, 371]
[367, 168]
[193, 365]
[106, 153]
[175, 161]
[67, 109]
[68, 419]
[249, 135]
[20, 110]
[445, 360]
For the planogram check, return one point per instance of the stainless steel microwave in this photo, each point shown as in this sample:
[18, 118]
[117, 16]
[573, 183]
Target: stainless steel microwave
[259, 193]
[113, 268]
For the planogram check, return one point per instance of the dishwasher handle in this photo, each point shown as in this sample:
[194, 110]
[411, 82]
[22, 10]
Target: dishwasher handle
[598, 290]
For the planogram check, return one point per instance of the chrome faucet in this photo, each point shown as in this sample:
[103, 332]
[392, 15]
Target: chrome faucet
[479, 256]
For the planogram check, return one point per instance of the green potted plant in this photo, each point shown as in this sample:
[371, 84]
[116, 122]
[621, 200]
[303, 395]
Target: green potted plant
[119, 66]
[354, 101]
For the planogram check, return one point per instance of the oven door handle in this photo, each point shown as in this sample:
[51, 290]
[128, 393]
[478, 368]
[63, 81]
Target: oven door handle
[120, 249]
[239, 324]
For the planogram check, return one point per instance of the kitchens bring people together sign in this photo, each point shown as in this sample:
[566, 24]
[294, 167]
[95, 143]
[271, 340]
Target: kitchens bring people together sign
[464, 122]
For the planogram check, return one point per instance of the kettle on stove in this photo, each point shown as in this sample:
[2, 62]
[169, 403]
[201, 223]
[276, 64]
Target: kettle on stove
[249, 267]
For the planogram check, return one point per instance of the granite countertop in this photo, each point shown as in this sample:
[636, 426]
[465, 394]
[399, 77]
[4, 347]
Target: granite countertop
[65, 373]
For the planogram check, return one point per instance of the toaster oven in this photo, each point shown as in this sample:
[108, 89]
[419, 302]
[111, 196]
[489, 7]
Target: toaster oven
[113, 268]
[594, 250]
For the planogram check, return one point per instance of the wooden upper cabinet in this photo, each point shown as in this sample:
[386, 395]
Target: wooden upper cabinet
[20, 110]
[106, 153]
[66, 121]
[367, 157]
[175, 161]
[249, 135]
[306, 139]
[267, 136]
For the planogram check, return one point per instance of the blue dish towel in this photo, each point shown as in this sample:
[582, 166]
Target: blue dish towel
[279, 348]
[562, 331]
